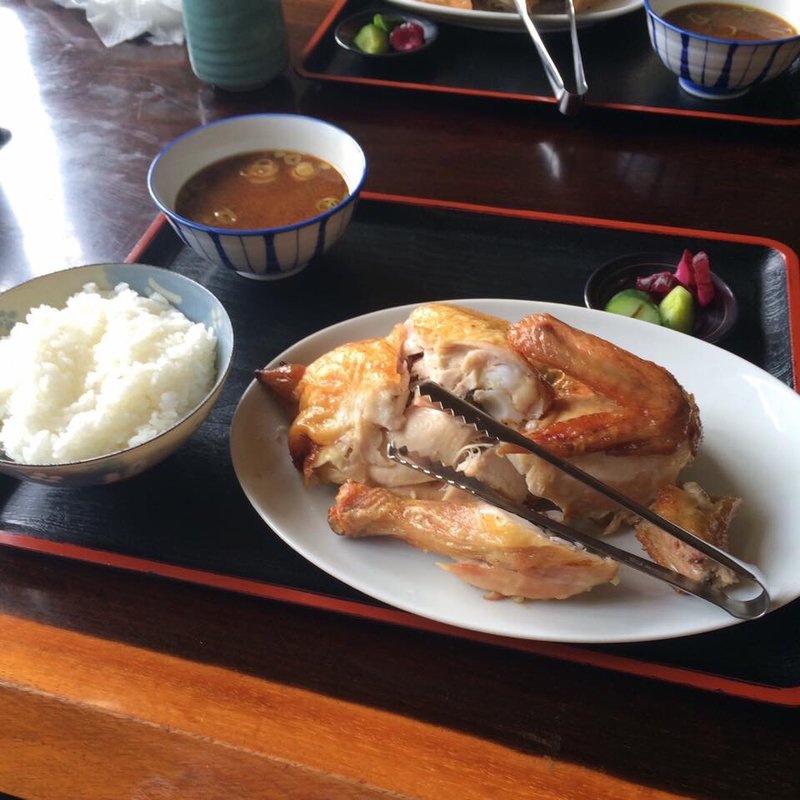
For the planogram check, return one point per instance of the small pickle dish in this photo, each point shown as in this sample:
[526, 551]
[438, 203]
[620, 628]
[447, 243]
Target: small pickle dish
[386, 36]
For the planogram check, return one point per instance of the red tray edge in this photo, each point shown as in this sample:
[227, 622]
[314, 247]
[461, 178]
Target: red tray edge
[789, 696]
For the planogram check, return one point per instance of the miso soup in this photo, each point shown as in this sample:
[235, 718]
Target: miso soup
[729, 21]
[264, 189]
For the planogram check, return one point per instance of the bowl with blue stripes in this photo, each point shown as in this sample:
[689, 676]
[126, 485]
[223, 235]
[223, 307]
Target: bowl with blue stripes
[715, 68]
[264, 253]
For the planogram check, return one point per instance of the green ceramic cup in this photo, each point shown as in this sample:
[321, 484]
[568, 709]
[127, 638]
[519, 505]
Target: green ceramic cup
[237, 45]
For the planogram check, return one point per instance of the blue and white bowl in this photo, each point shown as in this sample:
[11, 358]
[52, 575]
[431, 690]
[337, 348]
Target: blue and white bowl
[270, 253]
[719, 69]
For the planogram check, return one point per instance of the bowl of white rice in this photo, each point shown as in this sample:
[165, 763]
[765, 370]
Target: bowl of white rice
[105, 370]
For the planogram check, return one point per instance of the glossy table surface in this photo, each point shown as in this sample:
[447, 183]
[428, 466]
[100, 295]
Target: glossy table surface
[119, 684]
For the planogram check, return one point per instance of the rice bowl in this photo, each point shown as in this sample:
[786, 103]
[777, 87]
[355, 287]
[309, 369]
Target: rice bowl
[108, 371]
[112, 368]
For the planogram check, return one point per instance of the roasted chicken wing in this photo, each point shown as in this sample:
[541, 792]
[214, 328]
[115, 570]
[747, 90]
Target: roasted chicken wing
[618, 417]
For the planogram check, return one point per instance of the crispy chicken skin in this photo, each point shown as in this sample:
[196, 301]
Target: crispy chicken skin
[646, 411]
[693, 509]
[346, 401]
[493, 550]
[616, 416]
[282, 382]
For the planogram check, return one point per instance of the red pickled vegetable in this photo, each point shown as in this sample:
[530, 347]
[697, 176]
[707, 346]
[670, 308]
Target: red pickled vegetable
[693, 273]
[704, 288]
[685, 272]
[408, 36]
[658, 284]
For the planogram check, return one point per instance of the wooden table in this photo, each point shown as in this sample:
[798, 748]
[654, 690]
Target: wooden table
[119, 684]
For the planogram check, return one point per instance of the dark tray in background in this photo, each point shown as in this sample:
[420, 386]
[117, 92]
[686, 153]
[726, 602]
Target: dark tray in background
[621, 68]
[188, 519]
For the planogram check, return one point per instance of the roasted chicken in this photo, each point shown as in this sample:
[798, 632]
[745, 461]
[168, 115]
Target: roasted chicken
[621, 418]
[493, 550]
[353, 400]
[618, 417]
[346, 401]
[694, 510]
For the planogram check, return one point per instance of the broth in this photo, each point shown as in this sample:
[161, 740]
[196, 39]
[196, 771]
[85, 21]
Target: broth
[264, 189]
[729, 21]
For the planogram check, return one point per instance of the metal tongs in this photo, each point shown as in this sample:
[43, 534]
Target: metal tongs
[739, 606]
[569, 103]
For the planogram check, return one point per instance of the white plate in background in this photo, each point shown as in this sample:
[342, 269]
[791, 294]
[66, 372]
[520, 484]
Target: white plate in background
[510, 20]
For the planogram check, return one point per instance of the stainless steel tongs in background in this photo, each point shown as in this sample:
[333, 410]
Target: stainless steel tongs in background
[738, 606]
[569, 102]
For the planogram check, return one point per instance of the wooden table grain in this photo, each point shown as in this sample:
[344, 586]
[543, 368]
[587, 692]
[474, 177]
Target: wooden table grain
[123, 685]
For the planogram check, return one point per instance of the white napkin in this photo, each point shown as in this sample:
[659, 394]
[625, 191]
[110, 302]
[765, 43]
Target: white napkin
[115, 21]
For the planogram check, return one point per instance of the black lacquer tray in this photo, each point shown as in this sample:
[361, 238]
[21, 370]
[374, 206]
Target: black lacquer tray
[398, 251]
[622, 70]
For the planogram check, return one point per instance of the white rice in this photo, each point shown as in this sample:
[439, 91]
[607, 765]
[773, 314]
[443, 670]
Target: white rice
[108, 371]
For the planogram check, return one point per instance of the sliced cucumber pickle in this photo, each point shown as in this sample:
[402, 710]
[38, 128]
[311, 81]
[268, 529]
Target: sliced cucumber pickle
[371, 39]
[636, 304]
[677, 310]
[386, 23]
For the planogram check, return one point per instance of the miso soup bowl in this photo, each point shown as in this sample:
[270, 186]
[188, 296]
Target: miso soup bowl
[719, 69]
[266, 253]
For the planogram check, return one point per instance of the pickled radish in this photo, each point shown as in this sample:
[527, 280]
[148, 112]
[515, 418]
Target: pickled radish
[685, 272]
[694, 272]
[704, 287]
[408, 36]
[657, 285]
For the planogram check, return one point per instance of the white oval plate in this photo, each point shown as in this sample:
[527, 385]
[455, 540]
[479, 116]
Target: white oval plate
[752, 428]
[510, 20]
